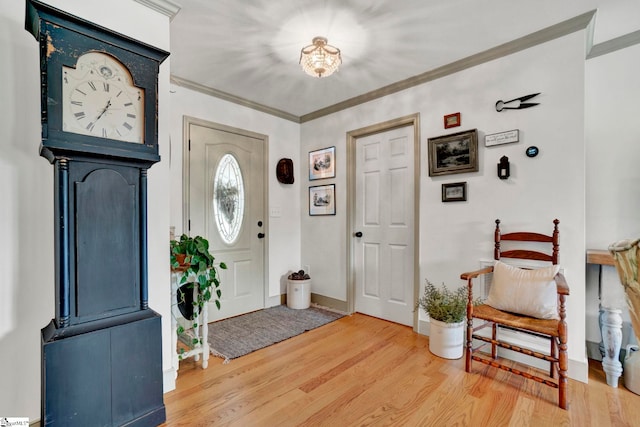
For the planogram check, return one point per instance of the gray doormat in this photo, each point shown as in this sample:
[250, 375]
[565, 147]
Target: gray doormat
[240, 335]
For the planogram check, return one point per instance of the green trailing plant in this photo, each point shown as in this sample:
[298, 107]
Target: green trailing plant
[444, 304]
[191, 256]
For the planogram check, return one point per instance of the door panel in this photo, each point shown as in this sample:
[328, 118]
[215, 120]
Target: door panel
[384, 213]
[214, 211]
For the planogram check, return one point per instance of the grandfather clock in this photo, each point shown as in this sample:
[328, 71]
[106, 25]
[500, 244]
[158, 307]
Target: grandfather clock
[102, 353]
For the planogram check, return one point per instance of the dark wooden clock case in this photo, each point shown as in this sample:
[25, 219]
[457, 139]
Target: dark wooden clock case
[102, 353]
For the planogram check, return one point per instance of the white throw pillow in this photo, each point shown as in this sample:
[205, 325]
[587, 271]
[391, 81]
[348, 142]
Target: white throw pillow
[529, 292]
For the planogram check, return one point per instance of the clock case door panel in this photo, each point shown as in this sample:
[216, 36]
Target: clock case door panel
[63, 39]
[106, 257]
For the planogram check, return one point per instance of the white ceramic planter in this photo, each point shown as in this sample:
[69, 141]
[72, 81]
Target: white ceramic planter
[445, 339]
[632, 369]
[299, 294]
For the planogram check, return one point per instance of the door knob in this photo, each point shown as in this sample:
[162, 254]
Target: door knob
[358, 234]
[260, 235]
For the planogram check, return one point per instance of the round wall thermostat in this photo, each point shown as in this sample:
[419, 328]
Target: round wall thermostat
[532, 151]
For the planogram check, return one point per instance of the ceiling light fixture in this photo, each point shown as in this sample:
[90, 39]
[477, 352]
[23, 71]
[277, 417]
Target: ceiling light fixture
[320, 59]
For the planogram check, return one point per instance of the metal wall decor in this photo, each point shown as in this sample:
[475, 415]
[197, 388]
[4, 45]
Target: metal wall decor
[504, 170]
[501, 105]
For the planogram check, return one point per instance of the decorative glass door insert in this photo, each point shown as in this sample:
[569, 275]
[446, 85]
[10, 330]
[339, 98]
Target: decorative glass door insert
[228, 198]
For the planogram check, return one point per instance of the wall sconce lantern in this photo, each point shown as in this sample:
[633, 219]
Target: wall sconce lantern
[503, 168]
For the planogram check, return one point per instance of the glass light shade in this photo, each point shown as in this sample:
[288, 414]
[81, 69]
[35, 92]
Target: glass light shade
[320, 59]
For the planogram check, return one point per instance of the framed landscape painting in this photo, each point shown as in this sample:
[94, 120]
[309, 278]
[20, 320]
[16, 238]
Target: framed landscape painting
[454, 153]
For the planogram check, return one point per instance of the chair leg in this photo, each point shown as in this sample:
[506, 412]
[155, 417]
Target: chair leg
[469, 350]
[562, 381]
[553, 353]
[494, 335]
[562, 357]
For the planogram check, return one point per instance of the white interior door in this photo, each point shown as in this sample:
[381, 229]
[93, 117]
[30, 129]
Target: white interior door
[384, 215]
[226, 205]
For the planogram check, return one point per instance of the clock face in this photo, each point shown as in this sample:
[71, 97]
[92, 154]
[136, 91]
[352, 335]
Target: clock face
[99, 99]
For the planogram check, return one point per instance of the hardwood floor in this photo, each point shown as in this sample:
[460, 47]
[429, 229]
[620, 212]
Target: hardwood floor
[360, 370]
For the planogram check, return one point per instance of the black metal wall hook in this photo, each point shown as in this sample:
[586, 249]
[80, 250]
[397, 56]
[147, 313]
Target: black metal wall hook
[500, 105]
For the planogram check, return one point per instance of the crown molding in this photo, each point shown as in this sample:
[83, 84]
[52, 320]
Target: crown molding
[578, 23]
[547, 34]
[232, 98]
[612, 45]
[166, 7]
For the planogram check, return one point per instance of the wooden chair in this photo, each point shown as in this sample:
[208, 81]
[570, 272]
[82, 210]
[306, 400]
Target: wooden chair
[500, 320]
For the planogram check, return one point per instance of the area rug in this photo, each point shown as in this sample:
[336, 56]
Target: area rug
[237, 336]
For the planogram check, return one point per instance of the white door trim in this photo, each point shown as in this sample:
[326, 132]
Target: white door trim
[352, 137]
[187, 121]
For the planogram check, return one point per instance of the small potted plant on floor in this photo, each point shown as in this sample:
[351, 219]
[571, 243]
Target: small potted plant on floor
[447, 311]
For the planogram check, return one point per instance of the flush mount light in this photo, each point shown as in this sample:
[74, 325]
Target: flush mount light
[320, 59]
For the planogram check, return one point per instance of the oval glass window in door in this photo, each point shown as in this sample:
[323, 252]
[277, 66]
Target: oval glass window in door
[228, 198]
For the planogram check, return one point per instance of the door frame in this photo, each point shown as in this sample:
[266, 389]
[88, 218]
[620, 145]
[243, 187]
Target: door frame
[352, 137]
[187, 121]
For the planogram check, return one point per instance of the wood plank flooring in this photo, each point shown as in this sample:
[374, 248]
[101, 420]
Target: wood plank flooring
[361, 371]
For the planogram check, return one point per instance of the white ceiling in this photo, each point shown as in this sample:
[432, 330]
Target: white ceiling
[250, 48]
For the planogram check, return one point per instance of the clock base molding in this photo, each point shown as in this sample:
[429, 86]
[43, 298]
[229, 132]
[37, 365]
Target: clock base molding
[110, 376]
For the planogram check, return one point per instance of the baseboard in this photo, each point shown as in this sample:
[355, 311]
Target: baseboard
[328, 302]
[322, 301]
[577, 370]
[169, 379]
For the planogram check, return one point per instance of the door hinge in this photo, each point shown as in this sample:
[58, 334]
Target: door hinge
[189, 225]
[189, 145]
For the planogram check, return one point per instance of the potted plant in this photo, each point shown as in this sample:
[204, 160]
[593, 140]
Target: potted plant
[191, 257]
[447, 311]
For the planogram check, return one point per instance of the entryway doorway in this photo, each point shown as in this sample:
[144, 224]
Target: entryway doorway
[383, 222]
[224, 200]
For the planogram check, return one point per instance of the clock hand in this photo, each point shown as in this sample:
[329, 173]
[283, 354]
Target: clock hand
[104, 110]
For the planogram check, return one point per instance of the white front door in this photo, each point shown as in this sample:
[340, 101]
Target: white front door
[384, 225]
[226, 205]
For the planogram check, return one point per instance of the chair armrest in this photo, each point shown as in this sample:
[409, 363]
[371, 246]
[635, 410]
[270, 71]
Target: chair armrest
[561, 284]
[473, 274]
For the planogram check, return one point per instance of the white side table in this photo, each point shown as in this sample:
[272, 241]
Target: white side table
[199, 332]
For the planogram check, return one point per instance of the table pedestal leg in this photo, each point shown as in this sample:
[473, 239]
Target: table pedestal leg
[611, 330]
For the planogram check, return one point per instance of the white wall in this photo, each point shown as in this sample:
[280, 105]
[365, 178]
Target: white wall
[613, 175]
[26, 211]
[283, 233]
[455, 236]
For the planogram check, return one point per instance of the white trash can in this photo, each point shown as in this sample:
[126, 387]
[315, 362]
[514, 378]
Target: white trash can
[299, 294]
